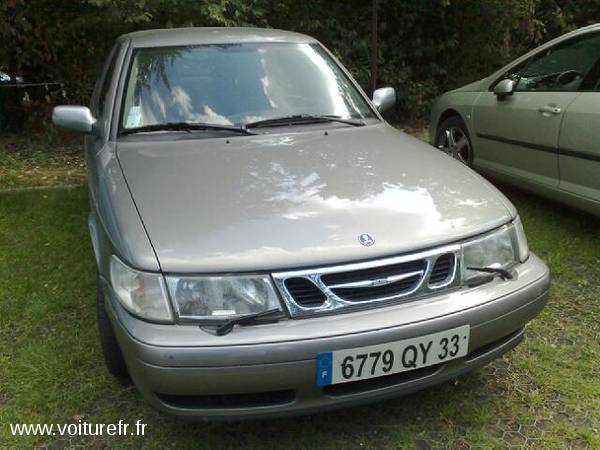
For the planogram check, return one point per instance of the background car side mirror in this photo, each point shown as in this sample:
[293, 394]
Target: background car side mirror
[384, 98]
[505, 88]
[74, 118]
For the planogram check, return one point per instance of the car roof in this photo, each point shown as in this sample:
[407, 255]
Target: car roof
[198, 36]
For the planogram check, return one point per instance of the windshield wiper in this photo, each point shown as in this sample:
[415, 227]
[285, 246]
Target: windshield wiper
[186, 126]
[302, 118]
[504, 274]
[223, 328]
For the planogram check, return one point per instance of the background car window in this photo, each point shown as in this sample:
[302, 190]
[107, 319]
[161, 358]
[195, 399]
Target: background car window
[234, 84]
[559, 68]
[591, 82]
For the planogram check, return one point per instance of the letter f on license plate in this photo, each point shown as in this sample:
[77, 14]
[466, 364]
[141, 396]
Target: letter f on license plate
[342, 366]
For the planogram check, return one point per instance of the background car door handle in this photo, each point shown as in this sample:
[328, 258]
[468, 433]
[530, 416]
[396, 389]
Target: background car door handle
[549, 109]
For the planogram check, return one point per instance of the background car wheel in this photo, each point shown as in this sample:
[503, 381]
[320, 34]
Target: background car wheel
[452, 137]
[110, 347]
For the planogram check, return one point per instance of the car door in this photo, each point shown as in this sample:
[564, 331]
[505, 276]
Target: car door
[579, 144]
[518, 134]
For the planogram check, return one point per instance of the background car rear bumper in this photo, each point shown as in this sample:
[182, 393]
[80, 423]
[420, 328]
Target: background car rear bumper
[279, 377]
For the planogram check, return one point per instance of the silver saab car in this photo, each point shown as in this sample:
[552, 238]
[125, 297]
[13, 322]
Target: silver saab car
[534, 123]
[267, 244]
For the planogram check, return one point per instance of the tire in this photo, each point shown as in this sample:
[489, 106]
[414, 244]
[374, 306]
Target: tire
[452, 137]
[113, 357]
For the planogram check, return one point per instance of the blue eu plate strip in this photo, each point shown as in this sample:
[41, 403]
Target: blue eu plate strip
[324, 368]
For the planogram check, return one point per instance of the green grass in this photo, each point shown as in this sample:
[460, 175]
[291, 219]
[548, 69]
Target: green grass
[544, 394]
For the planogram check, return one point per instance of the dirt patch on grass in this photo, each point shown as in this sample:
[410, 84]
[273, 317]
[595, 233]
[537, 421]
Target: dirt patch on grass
[35, 162]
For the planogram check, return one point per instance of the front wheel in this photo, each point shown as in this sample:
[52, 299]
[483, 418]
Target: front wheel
[452, 138]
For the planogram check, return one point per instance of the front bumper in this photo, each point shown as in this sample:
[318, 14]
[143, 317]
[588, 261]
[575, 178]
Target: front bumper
[266, 370]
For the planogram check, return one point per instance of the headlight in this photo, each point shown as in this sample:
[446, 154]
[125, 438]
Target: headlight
[521, 240]
[222, 297]
[500, 249]
[143, 294]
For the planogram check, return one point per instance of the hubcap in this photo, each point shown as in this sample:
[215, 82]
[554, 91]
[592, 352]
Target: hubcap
[454, 142]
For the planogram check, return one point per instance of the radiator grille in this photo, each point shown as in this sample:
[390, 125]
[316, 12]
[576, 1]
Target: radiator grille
[442, 269]
[386, 281]
[305, 292]
[314, 291]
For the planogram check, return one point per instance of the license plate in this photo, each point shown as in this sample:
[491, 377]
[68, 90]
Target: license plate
[373, 361]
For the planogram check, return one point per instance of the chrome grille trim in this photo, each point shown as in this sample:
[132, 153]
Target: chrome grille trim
[451, 276]
[379, 281]
[334, 302]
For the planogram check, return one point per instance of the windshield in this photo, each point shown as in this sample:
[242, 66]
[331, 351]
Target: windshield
[235, 84]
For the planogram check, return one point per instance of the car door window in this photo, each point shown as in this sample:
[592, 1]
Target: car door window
[591, 82]
[108, 75]
[560, 68]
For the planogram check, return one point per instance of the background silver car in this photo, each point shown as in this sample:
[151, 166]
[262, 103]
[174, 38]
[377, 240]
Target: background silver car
[267, 244]
[534, 123]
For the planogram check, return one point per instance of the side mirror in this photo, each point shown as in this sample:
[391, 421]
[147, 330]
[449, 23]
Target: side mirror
[74, 118]
[505, 88]
[384, 98]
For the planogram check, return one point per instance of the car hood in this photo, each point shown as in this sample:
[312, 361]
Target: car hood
[273, 201]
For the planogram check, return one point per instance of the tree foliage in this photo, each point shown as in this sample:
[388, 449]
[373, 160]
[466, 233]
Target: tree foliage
[426, 46]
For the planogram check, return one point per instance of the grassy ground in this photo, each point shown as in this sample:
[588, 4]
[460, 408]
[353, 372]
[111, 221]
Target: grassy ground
[30, 162]
[544, 394]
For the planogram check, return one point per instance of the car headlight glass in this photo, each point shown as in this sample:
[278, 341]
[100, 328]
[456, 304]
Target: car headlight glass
[522, 244]
[496, 249]
[141, 293]
[222, 297]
